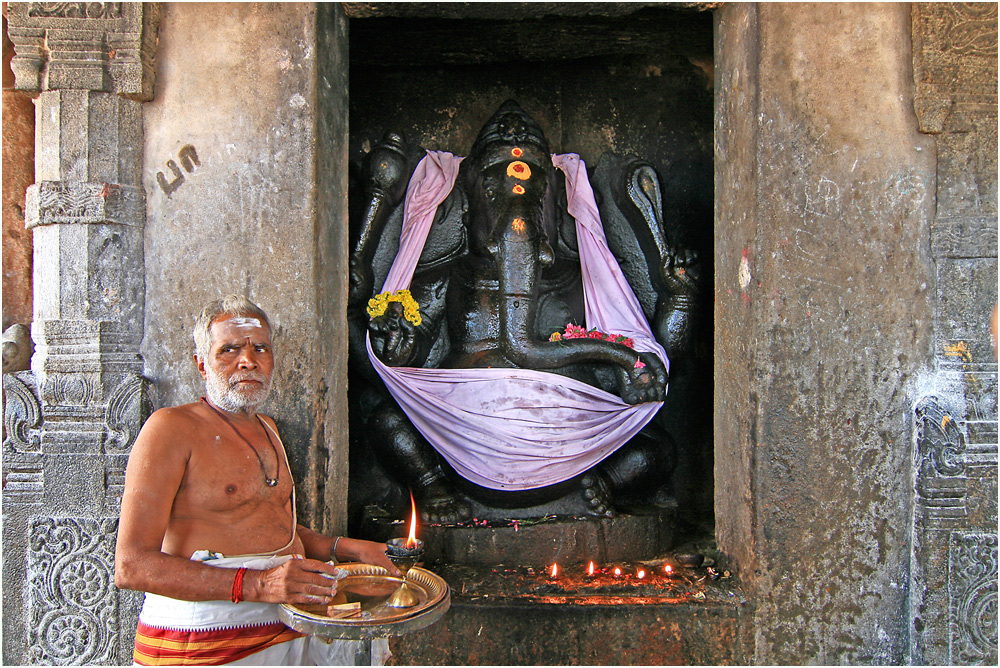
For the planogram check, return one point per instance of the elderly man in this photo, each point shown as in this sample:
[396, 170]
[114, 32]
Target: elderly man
[208, 524]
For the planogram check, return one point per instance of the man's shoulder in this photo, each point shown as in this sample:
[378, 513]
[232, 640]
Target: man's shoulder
[175, 416]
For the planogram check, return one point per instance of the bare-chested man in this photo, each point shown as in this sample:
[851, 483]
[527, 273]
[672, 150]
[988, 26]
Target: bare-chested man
[208, 513]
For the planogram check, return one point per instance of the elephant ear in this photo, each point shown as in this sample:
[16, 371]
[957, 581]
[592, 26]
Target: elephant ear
[446, 241]
[448, 238]
[629, 199]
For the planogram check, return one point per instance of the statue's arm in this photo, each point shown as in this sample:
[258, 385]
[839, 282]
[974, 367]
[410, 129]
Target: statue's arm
[386, 172]
[676, 307]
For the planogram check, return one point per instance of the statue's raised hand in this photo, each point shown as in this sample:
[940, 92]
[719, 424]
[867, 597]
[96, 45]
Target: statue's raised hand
[644, 381]
[680, 271]
[394, 338]
[360, 280]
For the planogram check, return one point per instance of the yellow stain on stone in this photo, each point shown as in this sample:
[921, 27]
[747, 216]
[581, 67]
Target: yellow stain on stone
[944, 421]
[959, 349]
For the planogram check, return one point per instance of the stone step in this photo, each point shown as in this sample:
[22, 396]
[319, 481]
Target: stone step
[522, 616]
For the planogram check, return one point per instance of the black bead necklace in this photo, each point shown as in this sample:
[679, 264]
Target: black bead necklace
[270, 482]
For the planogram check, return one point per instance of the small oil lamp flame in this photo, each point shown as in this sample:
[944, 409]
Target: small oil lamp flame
[555, 570]
[618, 571]
[590, 569]
[641, 574]
[668, 569]
[411, 540]
[405, 554]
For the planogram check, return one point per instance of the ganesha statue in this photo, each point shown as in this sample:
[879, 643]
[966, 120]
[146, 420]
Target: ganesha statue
[513, 319]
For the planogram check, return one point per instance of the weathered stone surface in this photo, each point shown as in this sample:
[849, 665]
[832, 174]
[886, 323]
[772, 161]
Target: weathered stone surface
[98, 46]
[953, 591]
[17, 348]
[823, 319]
[86, 136]
[243, 144]
[72, 602]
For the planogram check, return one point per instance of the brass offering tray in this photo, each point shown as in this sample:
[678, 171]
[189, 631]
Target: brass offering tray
[371, 586]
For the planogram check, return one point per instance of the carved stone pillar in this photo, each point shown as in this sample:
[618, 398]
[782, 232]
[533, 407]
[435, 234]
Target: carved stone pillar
[953, 587]
[71, 421]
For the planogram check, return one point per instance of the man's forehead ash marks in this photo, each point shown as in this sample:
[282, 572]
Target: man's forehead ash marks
[244, 323]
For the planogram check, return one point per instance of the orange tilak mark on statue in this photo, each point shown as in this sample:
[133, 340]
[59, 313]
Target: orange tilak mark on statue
[516, 152]
[519, 170]
[518, 189]
[517, 224]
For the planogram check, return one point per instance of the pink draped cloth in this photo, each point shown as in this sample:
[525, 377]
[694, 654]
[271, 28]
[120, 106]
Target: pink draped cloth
[516, 429]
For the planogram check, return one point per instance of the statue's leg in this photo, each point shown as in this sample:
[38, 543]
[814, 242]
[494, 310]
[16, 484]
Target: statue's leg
[640, 471]
[409, 458]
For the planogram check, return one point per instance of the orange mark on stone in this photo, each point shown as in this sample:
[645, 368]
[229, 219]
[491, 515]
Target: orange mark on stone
[959, 349]
[517, 224]
[944, 422]
[519, 170]
[518, 189]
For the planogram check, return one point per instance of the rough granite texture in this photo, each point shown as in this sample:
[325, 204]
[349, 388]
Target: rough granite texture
[245, 215]
[823, 317]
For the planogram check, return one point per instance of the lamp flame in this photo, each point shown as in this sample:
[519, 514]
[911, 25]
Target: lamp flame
[411, 540]
[618, 572]
[641, 574]
[555, 570]
[667, 568]
[590, 568]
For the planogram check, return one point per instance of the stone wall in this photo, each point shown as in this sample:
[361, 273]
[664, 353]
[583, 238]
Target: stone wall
[953, 585]
[246, 195]
[831, 302]
[824, 191]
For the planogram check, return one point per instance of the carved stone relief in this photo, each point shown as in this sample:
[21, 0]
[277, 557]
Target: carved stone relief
[103, 46]
[953, 578]
[49, 202]
[972, 580]
[72, 601]
[22, 419]
[127, 410]
[76, 10]
[22, 413]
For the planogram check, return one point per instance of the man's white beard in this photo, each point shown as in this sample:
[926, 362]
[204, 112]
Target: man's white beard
[233, 398]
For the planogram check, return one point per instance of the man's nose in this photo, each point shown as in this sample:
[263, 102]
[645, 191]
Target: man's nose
[248, 358]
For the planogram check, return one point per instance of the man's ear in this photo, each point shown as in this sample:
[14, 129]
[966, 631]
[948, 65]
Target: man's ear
[200, 363]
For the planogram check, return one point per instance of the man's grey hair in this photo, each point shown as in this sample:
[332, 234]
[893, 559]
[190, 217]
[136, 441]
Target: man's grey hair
[230, 305]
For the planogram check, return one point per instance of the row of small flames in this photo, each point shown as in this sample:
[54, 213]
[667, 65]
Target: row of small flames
[641, 572]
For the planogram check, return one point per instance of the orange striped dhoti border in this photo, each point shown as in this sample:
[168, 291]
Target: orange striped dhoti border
[160, 647]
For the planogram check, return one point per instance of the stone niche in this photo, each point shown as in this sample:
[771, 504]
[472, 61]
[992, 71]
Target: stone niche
[631, 79]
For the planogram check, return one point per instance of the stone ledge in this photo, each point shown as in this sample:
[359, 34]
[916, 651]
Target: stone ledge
[513, 617]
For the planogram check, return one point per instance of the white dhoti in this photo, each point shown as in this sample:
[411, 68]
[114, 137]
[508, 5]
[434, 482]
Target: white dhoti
[211, 633]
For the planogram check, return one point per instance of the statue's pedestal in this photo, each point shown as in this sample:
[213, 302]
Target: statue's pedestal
[565, 540]
[541, 541]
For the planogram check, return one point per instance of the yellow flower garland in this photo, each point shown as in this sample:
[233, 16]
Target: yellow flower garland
[411, 309]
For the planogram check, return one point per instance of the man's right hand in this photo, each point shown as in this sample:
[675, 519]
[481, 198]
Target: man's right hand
[295, 581]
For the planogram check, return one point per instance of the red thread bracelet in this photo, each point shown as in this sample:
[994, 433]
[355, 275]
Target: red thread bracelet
[237, 593]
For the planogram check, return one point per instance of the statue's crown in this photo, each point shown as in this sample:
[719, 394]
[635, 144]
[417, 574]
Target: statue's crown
[510, 127]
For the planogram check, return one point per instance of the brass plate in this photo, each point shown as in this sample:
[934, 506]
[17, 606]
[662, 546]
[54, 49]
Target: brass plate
[371, 586]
